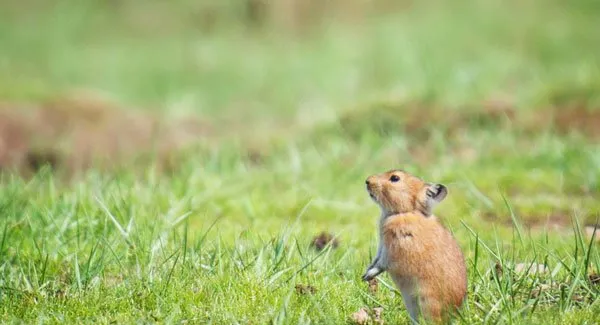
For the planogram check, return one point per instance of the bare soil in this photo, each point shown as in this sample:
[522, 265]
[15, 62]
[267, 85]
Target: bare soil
[74, 133]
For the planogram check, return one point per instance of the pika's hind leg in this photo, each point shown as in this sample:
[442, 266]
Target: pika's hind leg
[412, 306]
[409, 295]
[432, 309]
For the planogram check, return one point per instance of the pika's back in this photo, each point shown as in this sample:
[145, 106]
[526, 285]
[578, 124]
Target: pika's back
[422, 248]
[417, 241]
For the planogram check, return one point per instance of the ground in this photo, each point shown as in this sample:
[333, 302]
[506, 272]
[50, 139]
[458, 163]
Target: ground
[173, 164]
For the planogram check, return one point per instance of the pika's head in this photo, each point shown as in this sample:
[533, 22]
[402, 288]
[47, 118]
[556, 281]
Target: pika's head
[397, 191]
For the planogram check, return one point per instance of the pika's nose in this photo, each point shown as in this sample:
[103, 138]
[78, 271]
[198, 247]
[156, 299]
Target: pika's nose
[368, 182]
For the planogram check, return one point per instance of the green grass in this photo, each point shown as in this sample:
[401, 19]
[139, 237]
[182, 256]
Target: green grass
[224, 239]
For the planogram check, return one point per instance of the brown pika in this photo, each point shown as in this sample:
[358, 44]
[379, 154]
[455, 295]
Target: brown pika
[421, 256]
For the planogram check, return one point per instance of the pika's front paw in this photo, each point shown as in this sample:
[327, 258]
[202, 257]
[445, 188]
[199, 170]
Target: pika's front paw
[371, 273]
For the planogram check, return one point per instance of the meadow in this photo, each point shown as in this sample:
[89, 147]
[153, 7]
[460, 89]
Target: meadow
[498, 100]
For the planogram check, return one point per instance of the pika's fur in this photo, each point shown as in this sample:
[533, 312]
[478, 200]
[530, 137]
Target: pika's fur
[422, 257]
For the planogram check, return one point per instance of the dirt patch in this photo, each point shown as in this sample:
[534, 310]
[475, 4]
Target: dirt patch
[373, 286]
[557, 221]
[302, 15]
[566, 119]
[593, 231]
[385, 118]
[594, 278]
[530, 269]
[578, 118]
[549, 290]
[303, 289]
[321, 241]
[367, 316]
[360, 317]
[499, 108]
[77, 132]
[377, 315]
[419, 119]
[498, 270]
[15, 131]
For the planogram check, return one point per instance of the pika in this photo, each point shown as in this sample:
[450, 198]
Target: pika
[421, 256]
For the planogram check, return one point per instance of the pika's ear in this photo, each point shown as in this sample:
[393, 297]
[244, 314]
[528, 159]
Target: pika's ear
[436, 192]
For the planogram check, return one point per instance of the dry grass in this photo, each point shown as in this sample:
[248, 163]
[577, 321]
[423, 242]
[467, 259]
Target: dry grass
[419, 119]
[74, 133]
[80, 131]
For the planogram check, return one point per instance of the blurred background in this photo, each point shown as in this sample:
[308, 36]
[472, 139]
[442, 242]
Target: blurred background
[98, 77]
[230, 133]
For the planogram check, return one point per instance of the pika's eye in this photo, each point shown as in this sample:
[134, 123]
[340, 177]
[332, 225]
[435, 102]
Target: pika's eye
[394, 178]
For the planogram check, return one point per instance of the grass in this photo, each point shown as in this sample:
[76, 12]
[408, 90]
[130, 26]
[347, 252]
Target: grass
[225, 238]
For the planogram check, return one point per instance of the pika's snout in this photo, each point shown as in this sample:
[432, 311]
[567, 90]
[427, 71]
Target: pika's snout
[370, 182]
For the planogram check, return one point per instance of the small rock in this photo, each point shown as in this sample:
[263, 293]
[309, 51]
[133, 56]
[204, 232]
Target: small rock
[377, 311]
[534, 268]
[539, 290]
[578, 298]
[361, 316]
[320, 241]
[589, 231]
